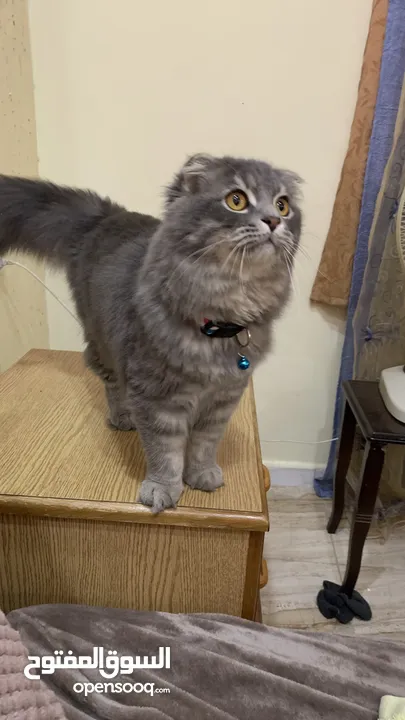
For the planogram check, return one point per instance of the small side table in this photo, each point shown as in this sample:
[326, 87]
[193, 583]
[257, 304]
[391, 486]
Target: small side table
[364, 408]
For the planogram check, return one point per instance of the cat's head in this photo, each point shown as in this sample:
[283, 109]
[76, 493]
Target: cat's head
[233, 224]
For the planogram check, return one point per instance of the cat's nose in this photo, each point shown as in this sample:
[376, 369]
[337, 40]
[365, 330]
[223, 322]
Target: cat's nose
[272, 222]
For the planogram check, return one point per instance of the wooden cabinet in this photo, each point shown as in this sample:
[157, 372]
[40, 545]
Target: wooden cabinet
[71, 530]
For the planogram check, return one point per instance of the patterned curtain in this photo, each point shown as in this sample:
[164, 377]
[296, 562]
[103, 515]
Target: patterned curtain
[332, 281]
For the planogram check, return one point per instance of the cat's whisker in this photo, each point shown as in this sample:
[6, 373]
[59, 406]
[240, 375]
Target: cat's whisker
[319, 272]
[293, 285]
[172, 275]
[288, 263]
[241, 269]
[242, 244]
[201, 251]
[288, 251]
[291, 262]
[308, 256]
[304, 253]
[235, 249]
[206, 250]
[296, 275]
[235, 261]
[311, 234]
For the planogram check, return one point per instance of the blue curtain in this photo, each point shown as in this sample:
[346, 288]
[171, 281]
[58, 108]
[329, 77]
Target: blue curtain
[389, 93]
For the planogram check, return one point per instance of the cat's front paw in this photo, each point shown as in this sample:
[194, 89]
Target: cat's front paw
[120, 421]
[208, 479]
[159, 496]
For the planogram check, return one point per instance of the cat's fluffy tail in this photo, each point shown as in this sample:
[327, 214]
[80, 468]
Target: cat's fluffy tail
[46, 220]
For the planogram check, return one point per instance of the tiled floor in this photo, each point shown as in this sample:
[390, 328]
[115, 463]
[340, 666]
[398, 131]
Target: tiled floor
[300, 554]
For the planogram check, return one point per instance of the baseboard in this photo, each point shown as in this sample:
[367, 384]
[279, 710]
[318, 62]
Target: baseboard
[292, 475]
[293, 465]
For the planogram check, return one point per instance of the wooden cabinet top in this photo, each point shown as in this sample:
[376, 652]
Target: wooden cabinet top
[59, 458]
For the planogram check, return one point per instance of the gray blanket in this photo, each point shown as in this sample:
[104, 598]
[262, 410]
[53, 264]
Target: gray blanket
[222, 668]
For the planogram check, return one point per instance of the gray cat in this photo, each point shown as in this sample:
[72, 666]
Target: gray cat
[167, 306]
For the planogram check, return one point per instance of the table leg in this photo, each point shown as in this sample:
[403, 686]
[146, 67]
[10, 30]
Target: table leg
[342, 466]
[373, 462]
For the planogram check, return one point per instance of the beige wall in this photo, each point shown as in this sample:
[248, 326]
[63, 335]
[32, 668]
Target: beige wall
[125, 90]
[22, 300]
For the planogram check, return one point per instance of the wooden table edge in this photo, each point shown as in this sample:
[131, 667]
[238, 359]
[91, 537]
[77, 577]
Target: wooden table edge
[109, 511]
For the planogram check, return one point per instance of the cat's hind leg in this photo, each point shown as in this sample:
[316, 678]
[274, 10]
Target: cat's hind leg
[118, 415]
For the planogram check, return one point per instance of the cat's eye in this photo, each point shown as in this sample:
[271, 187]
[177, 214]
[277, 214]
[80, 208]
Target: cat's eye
[283, 206]
[237, 200]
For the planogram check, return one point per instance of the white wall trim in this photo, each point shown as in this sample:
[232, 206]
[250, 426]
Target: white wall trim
[293, 465]
[282, 474]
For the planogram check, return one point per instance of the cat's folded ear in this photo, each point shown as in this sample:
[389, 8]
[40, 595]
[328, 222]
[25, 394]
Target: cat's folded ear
[293, 177]
[191, 178]
[293, 183]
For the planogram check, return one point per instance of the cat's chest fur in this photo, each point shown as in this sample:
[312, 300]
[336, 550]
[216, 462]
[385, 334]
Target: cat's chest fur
[183, 353]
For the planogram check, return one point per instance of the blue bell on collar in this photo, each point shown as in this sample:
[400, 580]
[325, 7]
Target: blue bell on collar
[243, 362]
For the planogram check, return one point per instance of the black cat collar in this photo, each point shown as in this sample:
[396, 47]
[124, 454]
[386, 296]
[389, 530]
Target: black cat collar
[228, 330]
[221, 329]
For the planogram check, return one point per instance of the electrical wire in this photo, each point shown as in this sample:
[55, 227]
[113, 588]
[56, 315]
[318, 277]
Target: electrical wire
[305, 442]
[4, 263]
[34, 275]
